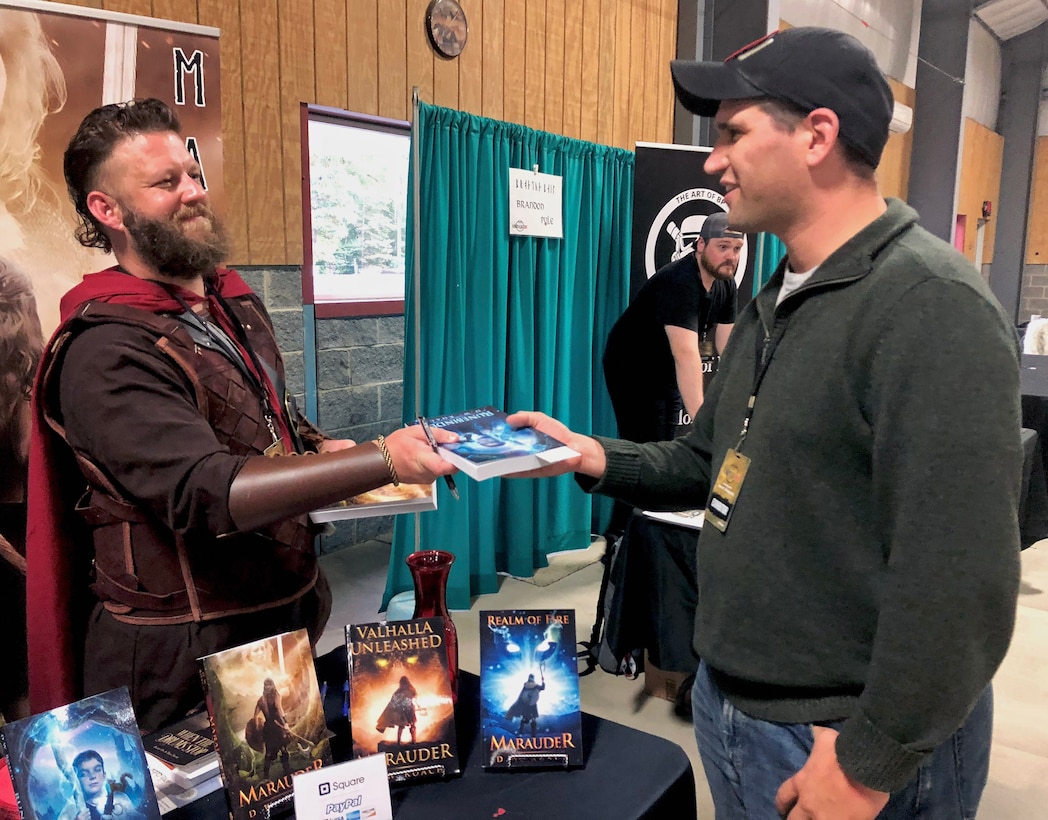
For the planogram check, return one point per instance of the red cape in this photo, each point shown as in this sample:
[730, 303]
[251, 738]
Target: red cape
[56, 541]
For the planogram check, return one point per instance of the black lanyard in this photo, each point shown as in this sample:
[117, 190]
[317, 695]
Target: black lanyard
[214, 332]
[764, 349]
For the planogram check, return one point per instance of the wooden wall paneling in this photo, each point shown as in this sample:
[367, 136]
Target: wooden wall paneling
[893, 174]
[329, 49]
[471, 61]
[492, 55]
[263, 143]
[1037, 224]
[621, 98]
[589, 88]
[607, 82]
[553, 118]
[87, 4]
[663, 84]
[513, 64]
[446, 80]
[142, 7]
[297, 85]
[393, 91]
[225, 16]
[640, 47]
[361, 56]
[183, 11]
[573, 14]
[981, 160]
[535, 64]
[420, 54]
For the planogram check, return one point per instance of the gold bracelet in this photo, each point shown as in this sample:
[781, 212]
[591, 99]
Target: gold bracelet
[382, 448]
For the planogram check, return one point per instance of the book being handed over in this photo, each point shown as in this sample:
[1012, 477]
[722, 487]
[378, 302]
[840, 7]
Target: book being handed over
[489, 446]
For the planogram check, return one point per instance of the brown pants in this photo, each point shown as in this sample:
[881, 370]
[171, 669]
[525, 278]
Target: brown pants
[158, 664]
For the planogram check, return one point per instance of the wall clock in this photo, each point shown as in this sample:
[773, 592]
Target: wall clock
[447, 27]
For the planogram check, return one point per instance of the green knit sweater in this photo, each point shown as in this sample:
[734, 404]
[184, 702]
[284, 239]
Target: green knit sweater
[871, 567]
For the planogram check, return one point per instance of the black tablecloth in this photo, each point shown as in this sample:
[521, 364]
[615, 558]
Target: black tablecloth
[627, 773]
[653, 606]
[1033, 512]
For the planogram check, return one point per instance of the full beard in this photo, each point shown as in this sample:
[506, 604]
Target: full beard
[724, 271]
[165, 245]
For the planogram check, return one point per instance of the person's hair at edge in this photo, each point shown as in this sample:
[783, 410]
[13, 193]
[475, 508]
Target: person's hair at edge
[21, 339]
[35, 88]
[86, 755]
[787, 117]
[100, 132]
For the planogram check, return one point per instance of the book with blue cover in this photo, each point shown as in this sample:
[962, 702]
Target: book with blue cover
[530, 709]
[489, 446]
[82, 758]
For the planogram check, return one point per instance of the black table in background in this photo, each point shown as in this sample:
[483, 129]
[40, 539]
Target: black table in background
[1033, 385]
[627, 773]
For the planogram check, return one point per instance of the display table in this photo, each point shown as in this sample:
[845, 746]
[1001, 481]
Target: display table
[628, 773]
[1033, 513]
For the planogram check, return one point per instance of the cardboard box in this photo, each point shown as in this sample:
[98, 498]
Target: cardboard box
[660, 683]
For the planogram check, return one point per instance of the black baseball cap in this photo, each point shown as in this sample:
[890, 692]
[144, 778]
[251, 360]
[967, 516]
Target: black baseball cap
[715, 226]
[806, 67]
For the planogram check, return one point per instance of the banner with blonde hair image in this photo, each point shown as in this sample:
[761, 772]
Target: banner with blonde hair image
[58, 63]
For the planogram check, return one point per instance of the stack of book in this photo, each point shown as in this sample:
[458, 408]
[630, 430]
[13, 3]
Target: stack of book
[183, 762]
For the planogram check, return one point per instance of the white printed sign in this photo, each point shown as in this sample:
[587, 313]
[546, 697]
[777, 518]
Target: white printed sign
[536, 202]
[357, 789]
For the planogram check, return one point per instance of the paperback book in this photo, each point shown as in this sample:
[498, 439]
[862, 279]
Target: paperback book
[186, 750]
[530, 710]
[84, 757]
[387, 500]
[170, 795]
[400, 702]
[267, 718]
[488, 446]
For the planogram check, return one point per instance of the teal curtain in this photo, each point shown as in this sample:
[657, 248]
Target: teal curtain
[770, 251]
[514, 322]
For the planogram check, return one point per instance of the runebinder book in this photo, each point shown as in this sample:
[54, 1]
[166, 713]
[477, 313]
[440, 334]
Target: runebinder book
[86, 756]
[489, 446]
[530, 709]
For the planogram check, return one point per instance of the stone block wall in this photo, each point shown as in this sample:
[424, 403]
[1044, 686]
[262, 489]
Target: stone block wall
[1033, 300]
[360, 365]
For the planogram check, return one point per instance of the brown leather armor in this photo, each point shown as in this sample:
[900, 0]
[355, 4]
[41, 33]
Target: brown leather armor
[144, 572]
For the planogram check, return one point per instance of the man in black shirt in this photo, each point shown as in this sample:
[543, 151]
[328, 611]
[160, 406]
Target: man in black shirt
[653, 358]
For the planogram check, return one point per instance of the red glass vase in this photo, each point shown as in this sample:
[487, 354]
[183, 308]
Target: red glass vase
[429, 573]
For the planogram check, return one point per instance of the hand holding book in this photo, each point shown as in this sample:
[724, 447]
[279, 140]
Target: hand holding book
[590, 461]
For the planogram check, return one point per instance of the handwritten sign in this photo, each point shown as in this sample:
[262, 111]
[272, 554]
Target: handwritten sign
[535, 204]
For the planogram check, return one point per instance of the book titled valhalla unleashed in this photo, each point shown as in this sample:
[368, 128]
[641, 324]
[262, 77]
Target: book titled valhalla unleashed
[267, 719]
[488, 446]
[400, 697]
[82, 759]
[530, 713]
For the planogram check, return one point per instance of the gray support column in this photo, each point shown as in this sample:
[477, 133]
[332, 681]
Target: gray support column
[713, 30]
[1023, 61]
[938, 113]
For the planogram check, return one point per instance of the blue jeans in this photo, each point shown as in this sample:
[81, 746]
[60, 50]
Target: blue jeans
[746, 760]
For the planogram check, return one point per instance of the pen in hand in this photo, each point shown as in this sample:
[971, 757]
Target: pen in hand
[433, 443]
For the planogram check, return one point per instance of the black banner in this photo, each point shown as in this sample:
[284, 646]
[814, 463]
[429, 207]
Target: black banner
[672, 195]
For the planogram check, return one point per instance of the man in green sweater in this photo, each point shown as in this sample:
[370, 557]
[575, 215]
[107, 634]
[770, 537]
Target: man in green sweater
[859, 458]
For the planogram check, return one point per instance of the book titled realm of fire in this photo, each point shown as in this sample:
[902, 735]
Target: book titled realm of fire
[267, 718]
[530, 713]
[400, 702]
[82, 758]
